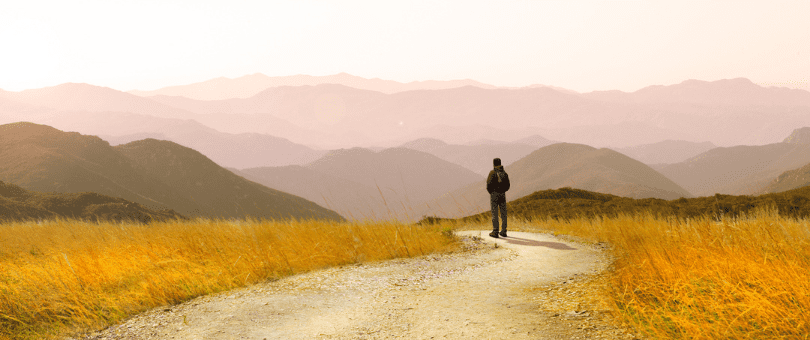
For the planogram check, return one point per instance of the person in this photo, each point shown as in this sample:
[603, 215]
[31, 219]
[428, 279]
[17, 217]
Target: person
[497, 186]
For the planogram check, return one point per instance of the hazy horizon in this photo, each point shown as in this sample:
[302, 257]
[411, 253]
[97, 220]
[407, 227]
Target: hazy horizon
[583, 46]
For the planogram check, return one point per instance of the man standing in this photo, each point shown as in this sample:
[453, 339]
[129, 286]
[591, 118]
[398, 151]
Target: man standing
[497, 186]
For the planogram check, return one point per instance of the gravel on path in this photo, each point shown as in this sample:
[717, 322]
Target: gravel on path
[519, 287]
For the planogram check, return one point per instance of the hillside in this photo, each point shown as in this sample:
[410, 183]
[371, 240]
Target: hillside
[414, 175]
[41, 158]
[789, 180]
[228, 150]
[568, 203]
[566, 165]
[353, 200]
[799, 136]
[738, 170]
[91, 98]
[215, 191]
[535, 140]
[477, 157]
[18, 204]
[666, 152]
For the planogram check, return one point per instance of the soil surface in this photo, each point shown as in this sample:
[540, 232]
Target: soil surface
[525, 286]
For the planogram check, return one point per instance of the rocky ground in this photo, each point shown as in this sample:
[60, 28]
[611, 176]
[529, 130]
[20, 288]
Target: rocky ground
[525, 286]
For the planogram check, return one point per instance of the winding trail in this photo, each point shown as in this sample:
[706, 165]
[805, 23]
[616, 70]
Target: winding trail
[487, 292]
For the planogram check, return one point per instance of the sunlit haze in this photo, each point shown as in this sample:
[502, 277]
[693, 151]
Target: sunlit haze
[580, 45]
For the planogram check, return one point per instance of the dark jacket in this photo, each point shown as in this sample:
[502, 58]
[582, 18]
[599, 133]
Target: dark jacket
[492, 180]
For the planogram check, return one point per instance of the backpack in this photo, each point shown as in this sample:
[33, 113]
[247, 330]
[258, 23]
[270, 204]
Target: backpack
[503, 182]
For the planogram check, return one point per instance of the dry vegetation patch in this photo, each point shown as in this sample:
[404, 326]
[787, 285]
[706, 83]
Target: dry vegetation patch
[702, 278]
[64, 276]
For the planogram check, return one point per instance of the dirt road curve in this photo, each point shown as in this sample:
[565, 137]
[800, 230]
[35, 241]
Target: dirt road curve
[486, 292]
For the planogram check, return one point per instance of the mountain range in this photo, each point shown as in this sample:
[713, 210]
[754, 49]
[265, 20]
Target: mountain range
[724, 112]
[666, 152]
[157, 174]
[739, 170]
[564, 165]
[297, 135]
[477, 156]
[360, 183]
[250, 85]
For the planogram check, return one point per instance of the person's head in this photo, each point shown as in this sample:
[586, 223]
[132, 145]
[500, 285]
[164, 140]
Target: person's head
[496, 162]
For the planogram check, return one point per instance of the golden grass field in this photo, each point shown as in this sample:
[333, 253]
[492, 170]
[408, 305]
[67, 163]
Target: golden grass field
[705, 278]
[61, 277]
[744, 278]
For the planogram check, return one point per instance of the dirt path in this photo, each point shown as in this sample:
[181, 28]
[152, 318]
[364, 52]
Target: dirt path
[489, 291]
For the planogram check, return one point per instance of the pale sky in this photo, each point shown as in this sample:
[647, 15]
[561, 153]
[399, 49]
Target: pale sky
[580, 45]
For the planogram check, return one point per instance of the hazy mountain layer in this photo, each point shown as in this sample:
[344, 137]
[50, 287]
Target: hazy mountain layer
[361, 183]
[228, 150]
[477, 158]
[416, 176]
[738, 170]
[665, 152]
[566, 165]
[733, 92]
[789, 180]
[351, 199]
[799, 136]
[247, 86]
[725, 112]
[90, 98]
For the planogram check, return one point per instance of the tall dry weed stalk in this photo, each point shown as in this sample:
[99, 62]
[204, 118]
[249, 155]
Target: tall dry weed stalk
[58, 277]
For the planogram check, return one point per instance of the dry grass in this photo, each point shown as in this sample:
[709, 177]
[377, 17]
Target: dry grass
[60, 277]
[706, 278]
[742, 278]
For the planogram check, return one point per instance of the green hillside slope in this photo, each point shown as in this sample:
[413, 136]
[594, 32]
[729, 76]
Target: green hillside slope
[18, 204]
[215, 191]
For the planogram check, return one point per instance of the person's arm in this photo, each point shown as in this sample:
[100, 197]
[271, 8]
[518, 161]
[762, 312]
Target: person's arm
[507, 184]
[489, 181]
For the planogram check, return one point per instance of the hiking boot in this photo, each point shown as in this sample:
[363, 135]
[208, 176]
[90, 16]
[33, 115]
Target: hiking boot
[494, 234]
[503, 233]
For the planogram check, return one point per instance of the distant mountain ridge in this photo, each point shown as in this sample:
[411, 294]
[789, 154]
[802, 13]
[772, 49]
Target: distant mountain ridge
[725, 112]
[737, 92]
[250, 85]
[738, 170]
[415, 175]
[666, 152]
[353, 200]
[799, 136]
[359, 183]
[241, 151]
[477, 155]
[789, 180]
[91, 98]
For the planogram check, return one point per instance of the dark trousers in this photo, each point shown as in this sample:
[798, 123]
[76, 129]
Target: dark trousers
[497, 200]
